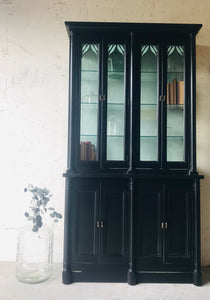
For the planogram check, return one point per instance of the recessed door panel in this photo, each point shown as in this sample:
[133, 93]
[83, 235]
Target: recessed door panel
[114, 220]
[84, 230]
[148, 215]
[178, 220]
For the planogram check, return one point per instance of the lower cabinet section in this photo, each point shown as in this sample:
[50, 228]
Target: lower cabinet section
[148, 227]
[163, 224]
[98, 230]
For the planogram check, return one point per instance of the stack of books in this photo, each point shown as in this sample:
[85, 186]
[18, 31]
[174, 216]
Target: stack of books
[175, 92]
[87, 151]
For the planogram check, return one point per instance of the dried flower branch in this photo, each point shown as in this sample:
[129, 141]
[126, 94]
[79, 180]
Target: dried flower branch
[38, 207]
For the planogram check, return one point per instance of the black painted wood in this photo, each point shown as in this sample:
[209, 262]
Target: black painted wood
[131, 276]
[148, 219]
[114, 222]
[178, 216]
[132, 221]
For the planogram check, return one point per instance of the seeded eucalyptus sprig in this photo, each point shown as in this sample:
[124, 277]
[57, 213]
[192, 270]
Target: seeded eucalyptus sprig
[38, 207]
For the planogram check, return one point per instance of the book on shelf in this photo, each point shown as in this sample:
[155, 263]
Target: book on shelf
[180, 92]
[174, 85]
[175, 92]
[87, 151]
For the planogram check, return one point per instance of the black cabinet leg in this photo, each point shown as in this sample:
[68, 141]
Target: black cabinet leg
[66, 277]
[131, 277]
[197, 278]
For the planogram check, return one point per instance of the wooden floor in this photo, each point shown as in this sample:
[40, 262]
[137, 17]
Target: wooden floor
[53, 289]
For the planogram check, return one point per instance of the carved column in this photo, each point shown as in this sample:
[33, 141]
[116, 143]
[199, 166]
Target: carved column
[66, 275]
[131, 276]
[197, 275]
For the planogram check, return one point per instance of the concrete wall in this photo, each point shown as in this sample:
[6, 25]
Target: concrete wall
[34, 95]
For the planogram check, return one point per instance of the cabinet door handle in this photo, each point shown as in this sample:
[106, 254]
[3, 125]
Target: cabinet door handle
[162, 98]
[162, 225]
[166, 225]
[98, 225]
[102, 224]
[102, 98]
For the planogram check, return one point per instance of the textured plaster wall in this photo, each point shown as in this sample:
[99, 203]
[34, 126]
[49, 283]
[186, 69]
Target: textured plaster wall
[34, 93]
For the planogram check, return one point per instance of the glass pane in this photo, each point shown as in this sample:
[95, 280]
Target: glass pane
[115, 102]
[175, 103]
[148, 103]
[89, 102]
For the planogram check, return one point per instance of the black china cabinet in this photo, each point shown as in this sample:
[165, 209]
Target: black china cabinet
[132, 206]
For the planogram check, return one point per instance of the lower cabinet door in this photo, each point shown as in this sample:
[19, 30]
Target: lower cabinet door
[114, 218]
[148, 218]
[99, 221]
[83, 222]
[163, 220]
[178, 214]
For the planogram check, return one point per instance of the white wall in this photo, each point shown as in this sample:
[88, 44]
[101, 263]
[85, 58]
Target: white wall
[34, 97]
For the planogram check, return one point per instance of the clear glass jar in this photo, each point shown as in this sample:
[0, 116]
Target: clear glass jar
[34, 260]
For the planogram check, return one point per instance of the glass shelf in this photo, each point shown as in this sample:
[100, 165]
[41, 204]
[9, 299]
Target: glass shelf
[175, 137]
[175, 72]
[88, 103]
[116, 75]
[86, 135]
[148, 76]
[175, 106]
[89, 71]
[114, 135]
[89, 75]
[116, 103]
[148, 104]
[148, 136]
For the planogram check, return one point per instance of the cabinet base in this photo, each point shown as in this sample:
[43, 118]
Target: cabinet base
[197, 278]
[98, 273]
[165, 277]
[131, 277]
[66, 277]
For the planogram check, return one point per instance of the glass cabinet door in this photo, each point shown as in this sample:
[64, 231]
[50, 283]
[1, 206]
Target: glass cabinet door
[115, 103]
[89, 102]
[149, 103]
[175, 151]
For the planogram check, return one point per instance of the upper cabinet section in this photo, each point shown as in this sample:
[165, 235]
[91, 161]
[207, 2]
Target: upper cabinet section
[132, 96]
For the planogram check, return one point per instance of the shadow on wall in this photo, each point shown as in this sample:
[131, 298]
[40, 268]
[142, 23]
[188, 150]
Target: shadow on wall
[203, 62]
[203, 143]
